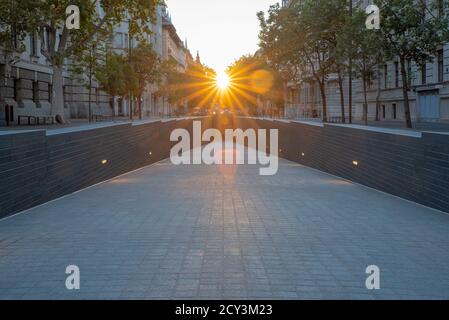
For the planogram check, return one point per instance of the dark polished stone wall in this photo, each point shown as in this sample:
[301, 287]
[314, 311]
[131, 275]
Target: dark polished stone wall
[406, 164]
[36, 167]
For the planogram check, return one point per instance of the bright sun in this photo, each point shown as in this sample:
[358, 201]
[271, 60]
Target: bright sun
[222, 80]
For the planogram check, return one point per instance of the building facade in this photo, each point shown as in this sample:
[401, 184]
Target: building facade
[429, 90]
[173, 48]
[26, 78]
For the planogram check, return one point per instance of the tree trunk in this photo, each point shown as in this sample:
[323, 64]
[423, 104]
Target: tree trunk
[365, 102]
[324, 100]
[90, 96]
[350, 92]
[112, 105]
[90, 86]
[342, 98]
[377, 110]
[378, 94]
[57, 101]
[140, 107]
[408, 119]
[130, 107]
[90, 103]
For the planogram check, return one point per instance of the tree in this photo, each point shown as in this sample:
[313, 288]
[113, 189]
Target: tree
[146, 69]
[253, 79]
[111, 76]
[90, 59]
[302, 45]
[173, 83]
[366, 49]
[413, 33]
[13, 26]
[131, 81]
[195, 86]
[276, 45]
[318, 38]
[199, 86]
[118, 74]
[48, 18]
[341, 67]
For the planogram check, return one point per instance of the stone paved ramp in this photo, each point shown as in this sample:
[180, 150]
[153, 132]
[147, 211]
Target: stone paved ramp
[225, 232]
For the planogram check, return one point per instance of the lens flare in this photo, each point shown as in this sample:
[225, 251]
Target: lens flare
[261, 81]
[222, 80]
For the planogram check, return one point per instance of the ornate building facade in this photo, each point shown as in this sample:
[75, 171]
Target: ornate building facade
[26, 77]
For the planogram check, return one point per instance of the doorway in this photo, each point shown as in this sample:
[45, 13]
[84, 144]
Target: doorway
[429, 105]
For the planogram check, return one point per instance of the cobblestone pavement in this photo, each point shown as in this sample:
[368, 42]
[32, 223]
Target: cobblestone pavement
[213, 232]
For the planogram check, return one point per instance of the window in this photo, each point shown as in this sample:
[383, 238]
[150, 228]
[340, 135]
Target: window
[50, 92]
[119, 40]
[47, 38]
[386, 76]
[396, 74]
[14, 38]
[65, 90]
[383, 111]
[424, 74]
[17, 90]
[126, 42]
[35, 91]
[409, 72]
[394, 111]
[440, 66]
[33, 45]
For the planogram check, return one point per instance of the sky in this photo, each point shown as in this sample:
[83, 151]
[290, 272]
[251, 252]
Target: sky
[222, 30]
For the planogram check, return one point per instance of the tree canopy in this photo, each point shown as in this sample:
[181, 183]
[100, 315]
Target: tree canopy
[98, 17]
[310, 39]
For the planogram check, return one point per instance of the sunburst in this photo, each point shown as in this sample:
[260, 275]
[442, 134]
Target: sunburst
[223, 80]
[235, 89]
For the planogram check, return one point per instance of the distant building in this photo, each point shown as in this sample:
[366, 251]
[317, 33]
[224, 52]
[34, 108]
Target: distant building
[173, 48]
